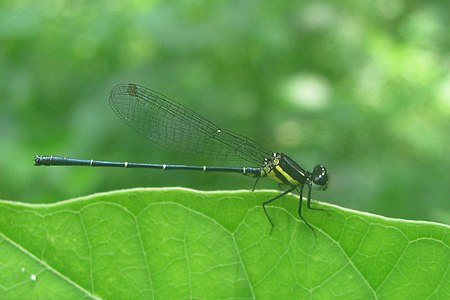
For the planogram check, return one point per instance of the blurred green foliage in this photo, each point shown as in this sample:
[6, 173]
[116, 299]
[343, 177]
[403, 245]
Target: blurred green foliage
[361, 87]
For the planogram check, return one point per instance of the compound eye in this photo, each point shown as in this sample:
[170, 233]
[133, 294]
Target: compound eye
[320, 176]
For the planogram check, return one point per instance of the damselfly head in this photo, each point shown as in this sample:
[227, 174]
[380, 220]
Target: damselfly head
[320, 177]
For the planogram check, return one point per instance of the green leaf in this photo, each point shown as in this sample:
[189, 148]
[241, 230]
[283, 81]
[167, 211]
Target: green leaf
[178, 243]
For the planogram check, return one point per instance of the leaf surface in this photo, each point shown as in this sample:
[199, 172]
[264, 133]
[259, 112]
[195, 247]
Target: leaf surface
[178, 243]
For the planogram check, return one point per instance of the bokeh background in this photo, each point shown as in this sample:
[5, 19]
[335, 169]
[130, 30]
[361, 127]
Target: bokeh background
[362, 87]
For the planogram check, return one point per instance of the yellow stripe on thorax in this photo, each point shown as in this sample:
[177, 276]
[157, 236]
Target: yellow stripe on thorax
[272, 174]
[286, 176]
